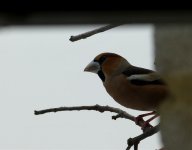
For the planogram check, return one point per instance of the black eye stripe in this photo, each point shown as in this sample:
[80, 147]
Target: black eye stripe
[101, 60]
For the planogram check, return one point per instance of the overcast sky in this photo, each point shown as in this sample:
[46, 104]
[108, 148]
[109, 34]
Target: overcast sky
[41, 68]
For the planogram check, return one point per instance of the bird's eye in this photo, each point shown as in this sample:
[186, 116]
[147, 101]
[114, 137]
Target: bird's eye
[101, 59]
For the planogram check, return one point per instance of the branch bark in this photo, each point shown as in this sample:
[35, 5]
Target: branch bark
[136, 140]
[90, 33]
[148, 131]
[120, 113]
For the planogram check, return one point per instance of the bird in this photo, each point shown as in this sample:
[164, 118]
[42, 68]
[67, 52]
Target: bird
[131, 86]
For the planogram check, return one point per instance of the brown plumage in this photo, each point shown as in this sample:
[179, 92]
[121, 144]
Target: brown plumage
[131, 86]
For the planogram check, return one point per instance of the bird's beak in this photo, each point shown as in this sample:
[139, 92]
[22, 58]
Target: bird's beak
[92, 67]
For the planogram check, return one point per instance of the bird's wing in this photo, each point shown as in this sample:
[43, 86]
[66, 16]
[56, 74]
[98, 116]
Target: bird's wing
[142, 76]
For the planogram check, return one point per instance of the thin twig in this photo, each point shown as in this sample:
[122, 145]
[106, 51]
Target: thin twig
[99, 108]
[135, 141]
[136, 146]
[120, 113]
[90, 33]
[148, 131]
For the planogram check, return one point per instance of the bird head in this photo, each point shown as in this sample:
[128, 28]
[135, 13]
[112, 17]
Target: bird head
[107, 65]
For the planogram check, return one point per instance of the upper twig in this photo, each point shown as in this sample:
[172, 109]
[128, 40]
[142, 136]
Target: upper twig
[90, 33]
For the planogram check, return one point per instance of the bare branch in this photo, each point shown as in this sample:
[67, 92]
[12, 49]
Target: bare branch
[135, 141]
[120, 113]
[147, 131]
[90, 33]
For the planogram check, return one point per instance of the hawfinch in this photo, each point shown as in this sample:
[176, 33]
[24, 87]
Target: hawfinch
[133, 87]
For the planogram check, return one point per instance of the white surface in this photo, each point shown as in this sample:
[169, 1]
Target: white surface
[41, 68]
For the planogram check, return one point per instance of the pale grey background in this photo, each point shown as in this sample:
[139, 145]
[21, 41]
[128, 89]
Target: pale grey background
[41, 68]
